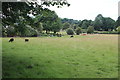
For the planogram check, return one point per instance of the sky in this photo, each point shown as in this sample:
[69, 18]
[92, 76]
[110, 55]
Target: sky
[88, 9]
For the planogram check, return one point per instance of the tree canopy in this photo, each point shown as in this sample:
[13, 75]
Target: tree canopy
[21, 14]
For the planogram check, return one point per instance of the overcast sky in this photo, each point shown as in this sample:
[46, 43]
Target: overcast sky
[88, 9]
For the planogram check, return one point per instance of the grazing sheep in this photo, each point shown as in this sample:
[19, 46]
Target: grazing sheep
[11, 40]
[71, 36]
[26, 40]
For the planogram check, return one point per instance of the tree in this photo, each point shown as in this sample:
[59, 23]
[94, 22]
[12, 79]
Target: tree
[40, 27]
[12, 14]
[51, 21]
[90, 29]
[109, 24]
[99, 22]
[74, 26]
[18, 12]
[78, 30]
[56, 25]
[70, 31]
[66, 25]
[10, 31]
[71, 21]
[31, 32]
[85, 23]
[3, 30]
[117, 23]
[118, 29]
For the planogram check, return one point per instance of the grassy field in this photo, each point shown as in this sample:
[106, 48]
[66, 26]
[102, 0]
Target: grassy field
[90, 56]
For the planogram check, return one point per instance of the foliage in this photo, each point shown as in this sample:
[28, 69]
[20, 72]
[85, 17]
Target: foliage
[32, 32]
[85, 23]
[117, 23]
[70, 31]
[99, 22]
[56, 25]
[103, 23]
[78, 30]
[71, 21]
[108, 24]
[90, 29]
[40, 27]
[4, 34]
[51, 21]
[10, 31]
[19, 13]
[118, 29]
[66, 25]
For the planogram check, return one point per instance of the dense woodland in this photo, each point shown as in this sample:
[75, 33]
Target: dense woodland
[32, 20]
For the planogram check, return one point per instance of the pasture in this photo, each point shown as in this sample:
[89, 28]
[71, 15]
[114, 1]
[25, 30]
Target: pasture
[90, 56]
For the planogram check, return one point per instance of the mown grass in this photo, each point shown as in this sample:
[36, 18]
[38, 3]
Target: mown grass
[91, 56]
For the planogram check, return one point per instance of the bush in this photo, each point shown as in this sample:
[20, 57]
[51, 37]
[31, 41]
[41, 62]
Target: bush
[78, 31]
[70, 31]
[118, 29]
[107, 32]
[90, 29]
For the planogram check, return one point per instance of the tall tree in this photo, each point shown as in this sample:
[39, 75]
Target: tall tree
[66, 25]
[118, 29]
[109, 24]
[78, 30]
[56, 25]
[117, 23]
[85, 23]
[98, 22]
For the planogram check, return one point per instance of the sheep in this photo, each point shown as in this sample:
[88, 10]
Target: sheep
[71, 36]
[11, 40]
[26, 40]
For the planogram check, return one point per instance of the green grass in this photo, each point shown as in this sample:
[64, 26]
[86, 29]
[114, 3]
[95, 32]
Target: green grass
[91, 56]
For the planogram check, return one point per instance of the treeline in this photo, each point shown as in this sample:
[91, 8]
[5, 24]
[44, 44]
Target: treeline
[99, 24]
[32, 20]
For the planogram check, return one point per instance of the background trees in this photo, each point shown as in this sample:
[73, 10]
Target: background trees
[118, 29]
[90, 29]
[109, 24]
[78, 31]
[103, 23]
[99, 22]
[117, 23]
[66, 25]
[85, 23]
[20, 18]
[70, 31]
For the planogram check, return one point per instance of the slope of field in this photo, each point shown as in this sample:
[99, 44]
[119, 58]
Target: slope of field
[90, 56]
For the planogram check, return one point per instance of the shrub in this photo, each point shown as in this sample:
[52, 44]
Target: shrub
[78, 31]
[70, 31]
[118, 29]
[90, 29]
